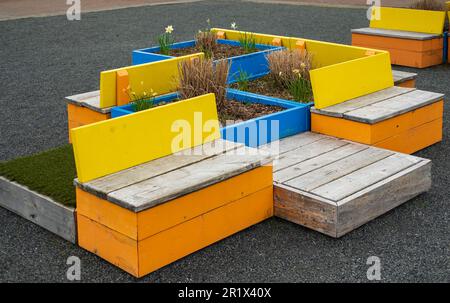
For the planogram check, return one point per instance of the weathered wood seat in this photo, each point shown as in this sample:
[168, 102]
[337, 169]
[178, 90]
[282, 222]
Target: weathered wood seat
[141, 204]
[413, 37]
[404, 79]
[400, 119]
[334, 186]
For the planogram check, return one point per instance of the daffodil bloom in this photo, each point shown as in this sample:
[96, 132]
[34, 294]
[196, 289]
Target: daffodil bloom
[296, 71]
[154, 94]
[280, 73]
[145, 93]
[169, 29]
[302, 65]
[233, 25]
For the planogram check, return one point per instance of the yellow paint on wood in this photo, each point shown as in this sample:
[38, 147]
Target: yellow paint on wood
[161, 77]
[413, 20]
[109, 146]
[344, 81]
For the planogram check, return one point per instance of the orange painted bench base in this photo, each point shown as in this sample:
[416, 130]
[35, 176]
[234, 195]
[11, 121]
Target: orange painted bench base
[142, 242]
[409, 83]
[78, 116]
[406, 133]
[405, 52]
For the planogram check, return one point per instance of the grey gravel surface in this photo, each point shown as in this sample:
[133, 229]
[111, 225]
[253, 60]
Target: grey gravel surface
[44, 59]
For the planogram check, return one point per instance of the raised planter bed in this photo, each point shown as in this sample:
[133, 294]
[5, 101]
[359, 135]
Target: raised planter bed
[39, 188]
[254, 132]
[254, 64]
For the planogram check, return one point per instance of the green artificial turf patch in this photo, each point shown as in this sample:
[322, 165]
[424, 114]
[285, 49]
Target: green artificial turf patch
[50, 173]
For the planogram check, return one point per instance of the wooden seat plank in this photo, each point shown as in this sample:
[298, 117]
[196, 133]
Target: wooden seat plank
[340, 109]
[394, 33]
[307, 152]
[104, 185]
[293, 142]
[393, 107]
[162, 188]
[364, 177]
[315, 163]
[338, 169]
[401, 76]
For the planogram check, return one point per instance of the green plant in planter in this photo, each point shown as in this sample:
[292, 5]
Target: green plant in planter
[143, 101]
[206, 41]
[242, 80]
[300, 88]
[165, 40]
[247, 40]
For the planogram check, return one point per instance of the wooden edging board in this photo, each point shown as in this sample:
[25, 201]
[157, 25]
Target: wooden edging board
[39, 209]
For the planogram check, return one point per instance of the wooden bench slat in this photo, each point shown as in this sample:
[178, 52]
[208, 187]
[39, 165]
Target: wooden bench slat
[394, 33]
[162, 188]
[401, 76]
[392, 107]
[307, 152]
[315, 163]
[339, 110]
[365, 177]
[293, 142]
[336, 170]
[104, 185]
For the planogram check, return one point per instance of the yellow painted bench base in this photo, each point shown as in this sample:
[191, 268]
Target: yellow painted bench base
[143, 242]
[406, 133]
[79, 116]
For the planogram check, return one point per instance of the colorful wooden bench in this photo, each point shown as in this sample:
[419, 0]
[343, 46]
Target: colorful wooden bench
[144, 202]
[404, 79]
[334, 186]
[400, 119]
[413, 37]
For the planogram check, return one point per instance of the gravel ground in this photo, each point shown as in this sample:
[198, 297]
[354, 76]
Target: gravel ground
[45, 59]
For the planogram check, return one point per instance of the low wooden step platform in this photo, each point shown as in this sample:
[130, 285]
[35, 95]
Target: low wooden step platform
[152, 214]
[334, 186]
[400, 119]
[407, 48]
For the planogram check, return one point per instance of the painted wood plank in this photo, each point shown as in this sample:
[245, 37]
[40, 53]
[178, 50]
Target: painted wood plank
[90, 100]
[392, 107]
[322, 176]
[315, 163]
[307, 152]
[38, 209]
[166, 187]
[382, 197]
[394, 33]
[339, 110]
[364, 177]
[104, 185]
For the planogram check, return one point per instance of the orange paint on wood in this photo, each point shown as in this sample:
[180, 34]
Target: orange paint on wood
[220, 35]
[409, 83]
[414, 139]
[300, 45]
[406, 52]
[108, 244]
[122, 87]
[276, 42]
[372, 134]
[142, 257]
[79, 116]
[151, 221]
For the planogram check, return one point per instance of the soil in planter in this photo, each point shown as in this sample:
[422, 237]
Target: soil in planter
[266, 86]
[223, 51]
[235, 110]
[239, 111]
[50, 173]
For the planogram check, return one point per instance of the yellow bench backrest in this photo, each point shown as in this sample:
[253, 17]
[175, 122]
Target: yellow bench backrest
[160, 76]
[110, 146]
[413, 20]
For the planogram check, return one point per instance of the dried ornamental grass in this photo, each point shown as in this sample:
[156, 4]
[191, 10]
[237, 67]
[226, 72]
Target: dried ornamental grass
[206, 41]
[203, 76]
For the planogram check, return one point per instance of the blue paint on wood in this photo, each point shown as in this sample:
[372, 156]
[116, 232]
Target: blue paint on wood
[254, 64]
[294, 119]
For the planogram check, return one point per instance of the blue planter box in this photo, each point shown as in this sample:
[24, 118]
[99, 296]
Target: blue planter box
[258, 131]
[254, 64]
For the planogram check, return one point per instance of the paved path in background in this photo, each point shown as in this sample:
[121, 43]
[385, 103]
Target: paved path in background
[15, 9]
[351, 3]
[45, 59]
